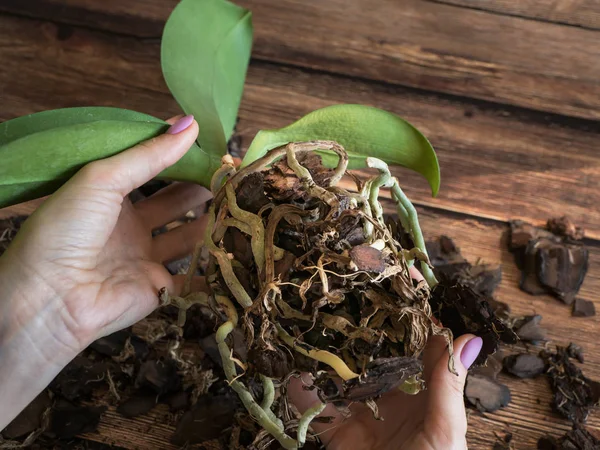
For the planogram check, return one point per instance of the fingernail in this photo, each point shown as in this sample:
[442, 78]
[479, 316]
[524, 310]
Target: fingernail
[470, 352]
[415, 274]
[181, 125]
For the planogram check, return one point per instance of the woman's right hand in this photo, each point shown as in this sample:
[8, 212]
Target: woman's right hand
[434, 419]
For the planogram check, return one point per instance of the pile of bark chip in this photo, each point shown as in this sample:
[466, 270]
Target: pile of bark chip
[574, 394]
[463, 300]
[483, 390]
[553, 260]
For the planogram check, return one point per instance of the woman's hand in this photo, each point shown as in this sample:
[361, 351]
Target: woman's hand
[434, 419]
[85, 263]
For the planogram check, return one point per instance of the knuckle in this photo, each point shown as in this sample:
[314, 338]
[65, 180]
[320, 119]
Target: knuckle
[148, 144]
[456, 385]
[94, 171]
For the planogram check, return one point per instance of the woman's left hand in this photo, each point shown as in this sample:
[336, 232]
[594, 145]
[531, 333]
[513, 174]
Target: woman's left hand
[85, 263]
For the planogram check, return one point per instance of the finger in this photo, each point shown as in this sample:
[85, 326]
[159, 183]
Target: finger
[143, 296]
[171, 203]
[130, 169]
[178, 242]
[198, 284]
[415, 274]
[435, 349]
[174, 119]
[446, 420]
[304, 399]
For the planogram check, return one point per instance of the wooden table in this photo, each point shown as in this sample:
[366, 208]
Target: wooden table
[507, 92]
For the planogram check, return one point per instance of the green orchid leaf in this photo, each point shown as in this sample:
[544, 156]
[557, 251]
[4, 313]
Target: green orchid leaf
[363, 131]
[37, 164]
[45, 120]
[204, 55]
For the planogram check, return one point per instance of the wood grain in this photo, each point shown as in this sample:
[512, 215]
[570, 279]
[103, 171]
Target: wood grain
[495, 163]
[583, 13]
[139, 18]
[432, 46]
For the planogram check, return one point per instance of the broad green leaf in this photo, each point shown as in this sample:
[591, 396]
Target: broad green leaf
[45, 120]
[205, 52]
[37, 164]
[363, 131]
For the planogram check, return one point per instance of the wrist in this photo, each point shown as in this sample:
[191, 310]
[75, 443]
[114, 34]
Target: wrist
[34, 343]
[30, 310]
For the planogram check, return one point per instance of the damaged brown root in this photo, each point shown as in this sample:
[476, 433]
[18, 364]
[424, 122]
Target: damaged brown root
[316, 281]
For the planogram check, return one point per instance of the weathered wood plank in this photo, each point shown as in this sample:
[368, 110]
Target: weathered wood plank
[414, 43]
[583, 13]
[132, 17]
[495, 163]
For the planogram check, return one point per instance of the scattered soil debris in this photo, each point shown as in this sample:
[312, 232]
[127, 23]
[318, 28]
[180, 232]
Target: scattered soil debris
[8, 230]
[177, 401]
[160, 376]
[211, 416]
[78, 379]
[528, 328]
[446, 258]
[504, 443]
[30, 418]
[576, 439]
[69, 420]
[492, 366]
[563, 226]
[583, 308]
[554, 261]
[524, 365]
[137, 405]
[485, 393]
[574, 394]
[114, 344]
[464, 303]
[482, 390]
[463, 300]
[575, 351]
[463, 310]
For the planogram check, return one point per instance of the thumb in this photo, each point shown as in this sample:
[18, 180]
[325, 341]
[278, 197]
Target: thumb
[446, 416]
[130, 169]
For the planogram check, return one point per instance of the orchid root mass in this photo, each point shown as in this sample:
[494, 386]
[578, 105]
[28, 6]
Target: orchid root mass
[317, 282]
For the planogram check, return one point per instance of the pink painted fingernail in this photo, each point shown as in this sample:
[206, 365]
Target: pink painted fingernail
[415, 274]
[181, 125]
[470, 351]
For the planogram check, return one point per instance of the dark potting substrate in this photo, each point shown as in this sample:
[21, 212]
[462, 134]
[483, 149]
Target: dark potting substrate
[554, 260]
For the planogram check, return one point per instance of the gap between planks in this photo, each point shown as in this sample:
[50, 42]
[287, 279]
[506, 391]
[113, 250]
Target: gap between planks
[578, 13]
